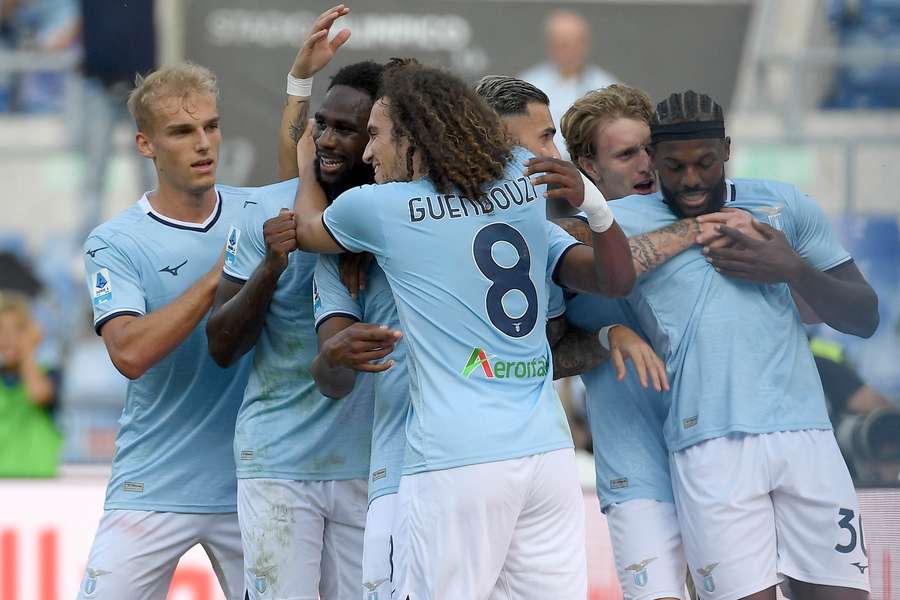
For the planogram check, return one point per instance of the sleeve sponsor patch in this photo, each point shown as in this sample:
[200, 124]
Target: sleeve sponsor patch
[231, 245]
[102, 287]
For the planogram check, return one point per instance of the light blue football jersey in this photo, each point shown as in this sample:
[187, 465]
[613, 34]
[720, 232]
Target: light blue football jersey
[626, 420]
[469, 280]
[389, 389]
[173, 450]
[286, 429]
[736, 351]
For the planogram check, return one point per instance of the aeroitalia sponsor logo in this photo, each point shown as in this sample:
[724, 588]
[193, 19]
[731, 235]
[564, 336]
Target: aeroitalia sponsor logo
[478, 358]
[496, 368]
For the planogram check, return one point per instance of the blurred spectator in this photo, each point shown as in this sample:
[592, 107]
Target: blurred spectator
[119, 40]
[567, 75]
[29, 441]
[866, 423]
[43, 26]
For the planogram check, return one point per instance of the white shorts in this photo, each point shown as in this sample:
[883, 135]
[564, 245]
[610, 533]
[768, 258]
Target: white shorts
[755, 509]
[497, 530]
[646, 543]
[378, 549]
[135, 553]
[302, 538]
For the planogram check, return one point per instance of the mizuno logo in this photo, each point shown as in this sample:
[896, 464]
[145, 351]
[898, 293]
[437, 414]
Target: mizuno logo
[93, 253]
[173, 270]
[246, 202]
[862, 568]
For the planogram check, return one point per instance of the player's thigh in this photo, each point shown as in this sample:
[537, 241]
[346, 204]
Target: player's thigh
[726, 516]
[135, 554]
[282, 529]
[820, 529]
[342, 550]
[546, 557]
[646, 543]
[454, 527]
[221, 539]
[378, 547]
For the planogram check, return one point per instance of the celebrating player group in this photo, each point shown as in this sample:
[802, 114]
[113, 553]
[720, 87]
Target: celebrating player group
[342, 383]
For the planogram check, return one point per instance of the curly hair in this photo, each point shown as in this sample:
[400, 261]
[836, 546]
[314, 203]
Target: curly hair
[616, 101]
[364, 76]
[462, 142]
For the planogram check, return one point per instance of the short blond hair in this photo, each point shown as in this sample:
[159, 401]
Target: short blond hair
[616, 101]
[15, 303]
[178, 81]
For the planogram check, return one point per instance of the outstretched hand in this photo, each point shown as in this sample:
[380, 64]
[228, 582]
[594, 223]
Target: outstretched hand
[563, 179]
[626, 344]
[317, 51]
[768, 259]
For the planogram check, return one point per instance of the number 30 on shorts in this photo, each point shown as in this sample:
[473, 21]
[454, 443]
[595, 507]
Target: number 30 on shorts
[506, 279]
[846, 522]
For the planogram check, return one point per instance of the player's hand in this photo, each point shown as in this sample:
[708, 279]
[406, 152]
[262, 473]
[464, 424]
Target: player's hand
[736, 218]
[306, 151]
[356, 346]
[563, 179]
[280, 235]
[767, 260]
[354, 268]
[626, 344]
[317, 51]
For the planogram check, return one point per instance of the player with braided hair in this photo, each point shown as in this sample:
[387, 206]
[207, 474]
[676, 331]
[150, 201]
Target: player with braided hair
[461, 235]
[762, 492]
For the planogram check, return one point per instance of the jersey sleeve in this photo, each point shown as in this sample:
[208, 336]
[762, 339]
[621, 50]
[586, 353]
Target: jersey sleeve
[813, 238]
[114, 283]
[244, 246]
[330, 296]
[558, 243]
[354, 220]
[556, 301]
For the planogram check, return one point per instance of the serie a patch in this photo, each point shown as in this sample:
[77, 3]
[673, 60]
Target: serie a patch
[231, 245]
[101, 287]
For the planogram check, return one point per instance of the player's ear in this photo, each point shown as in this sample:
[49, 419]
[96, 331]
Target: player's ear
[587, 165]
[144, 145]
[727, 148]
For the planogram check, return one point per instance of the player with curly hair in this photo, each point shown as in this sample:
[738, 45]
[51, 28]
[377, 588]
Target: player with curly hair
[461, 234]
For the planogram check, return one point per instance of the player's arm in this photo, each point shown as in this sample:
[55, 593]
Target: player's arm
[314, 54]
[608, 269]
[652, 249]
[310, 202]
[136, 343]
[575, 351]
[239, 308]
[347, 347]
[840, 296]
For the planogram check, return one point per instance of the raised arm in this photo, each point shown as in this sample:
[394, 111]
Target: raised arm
[137, 343]
[608, 269]
[314, 54]
[239, 310]
[310, 202]
[347, 347]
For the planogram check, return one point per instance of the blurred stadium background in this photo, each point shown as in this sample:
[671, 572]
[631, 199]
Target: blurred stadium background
[812, 95]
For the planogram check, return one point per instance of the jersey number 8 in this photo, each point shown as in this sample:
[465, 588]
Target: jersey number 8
[506, 279]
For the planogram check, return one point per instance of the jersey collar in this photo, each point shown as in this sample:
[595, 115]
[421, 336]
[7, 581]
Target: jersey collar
[203, 227]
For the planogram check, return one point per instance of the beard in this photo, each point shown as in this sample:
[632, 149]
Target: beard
[360, 174]
[715, 204]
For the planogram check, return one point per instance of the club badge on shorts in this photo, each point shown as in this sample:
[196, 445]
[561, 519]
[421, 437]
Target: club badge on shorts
[639, 570]
[90, 580]
[709, 584]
